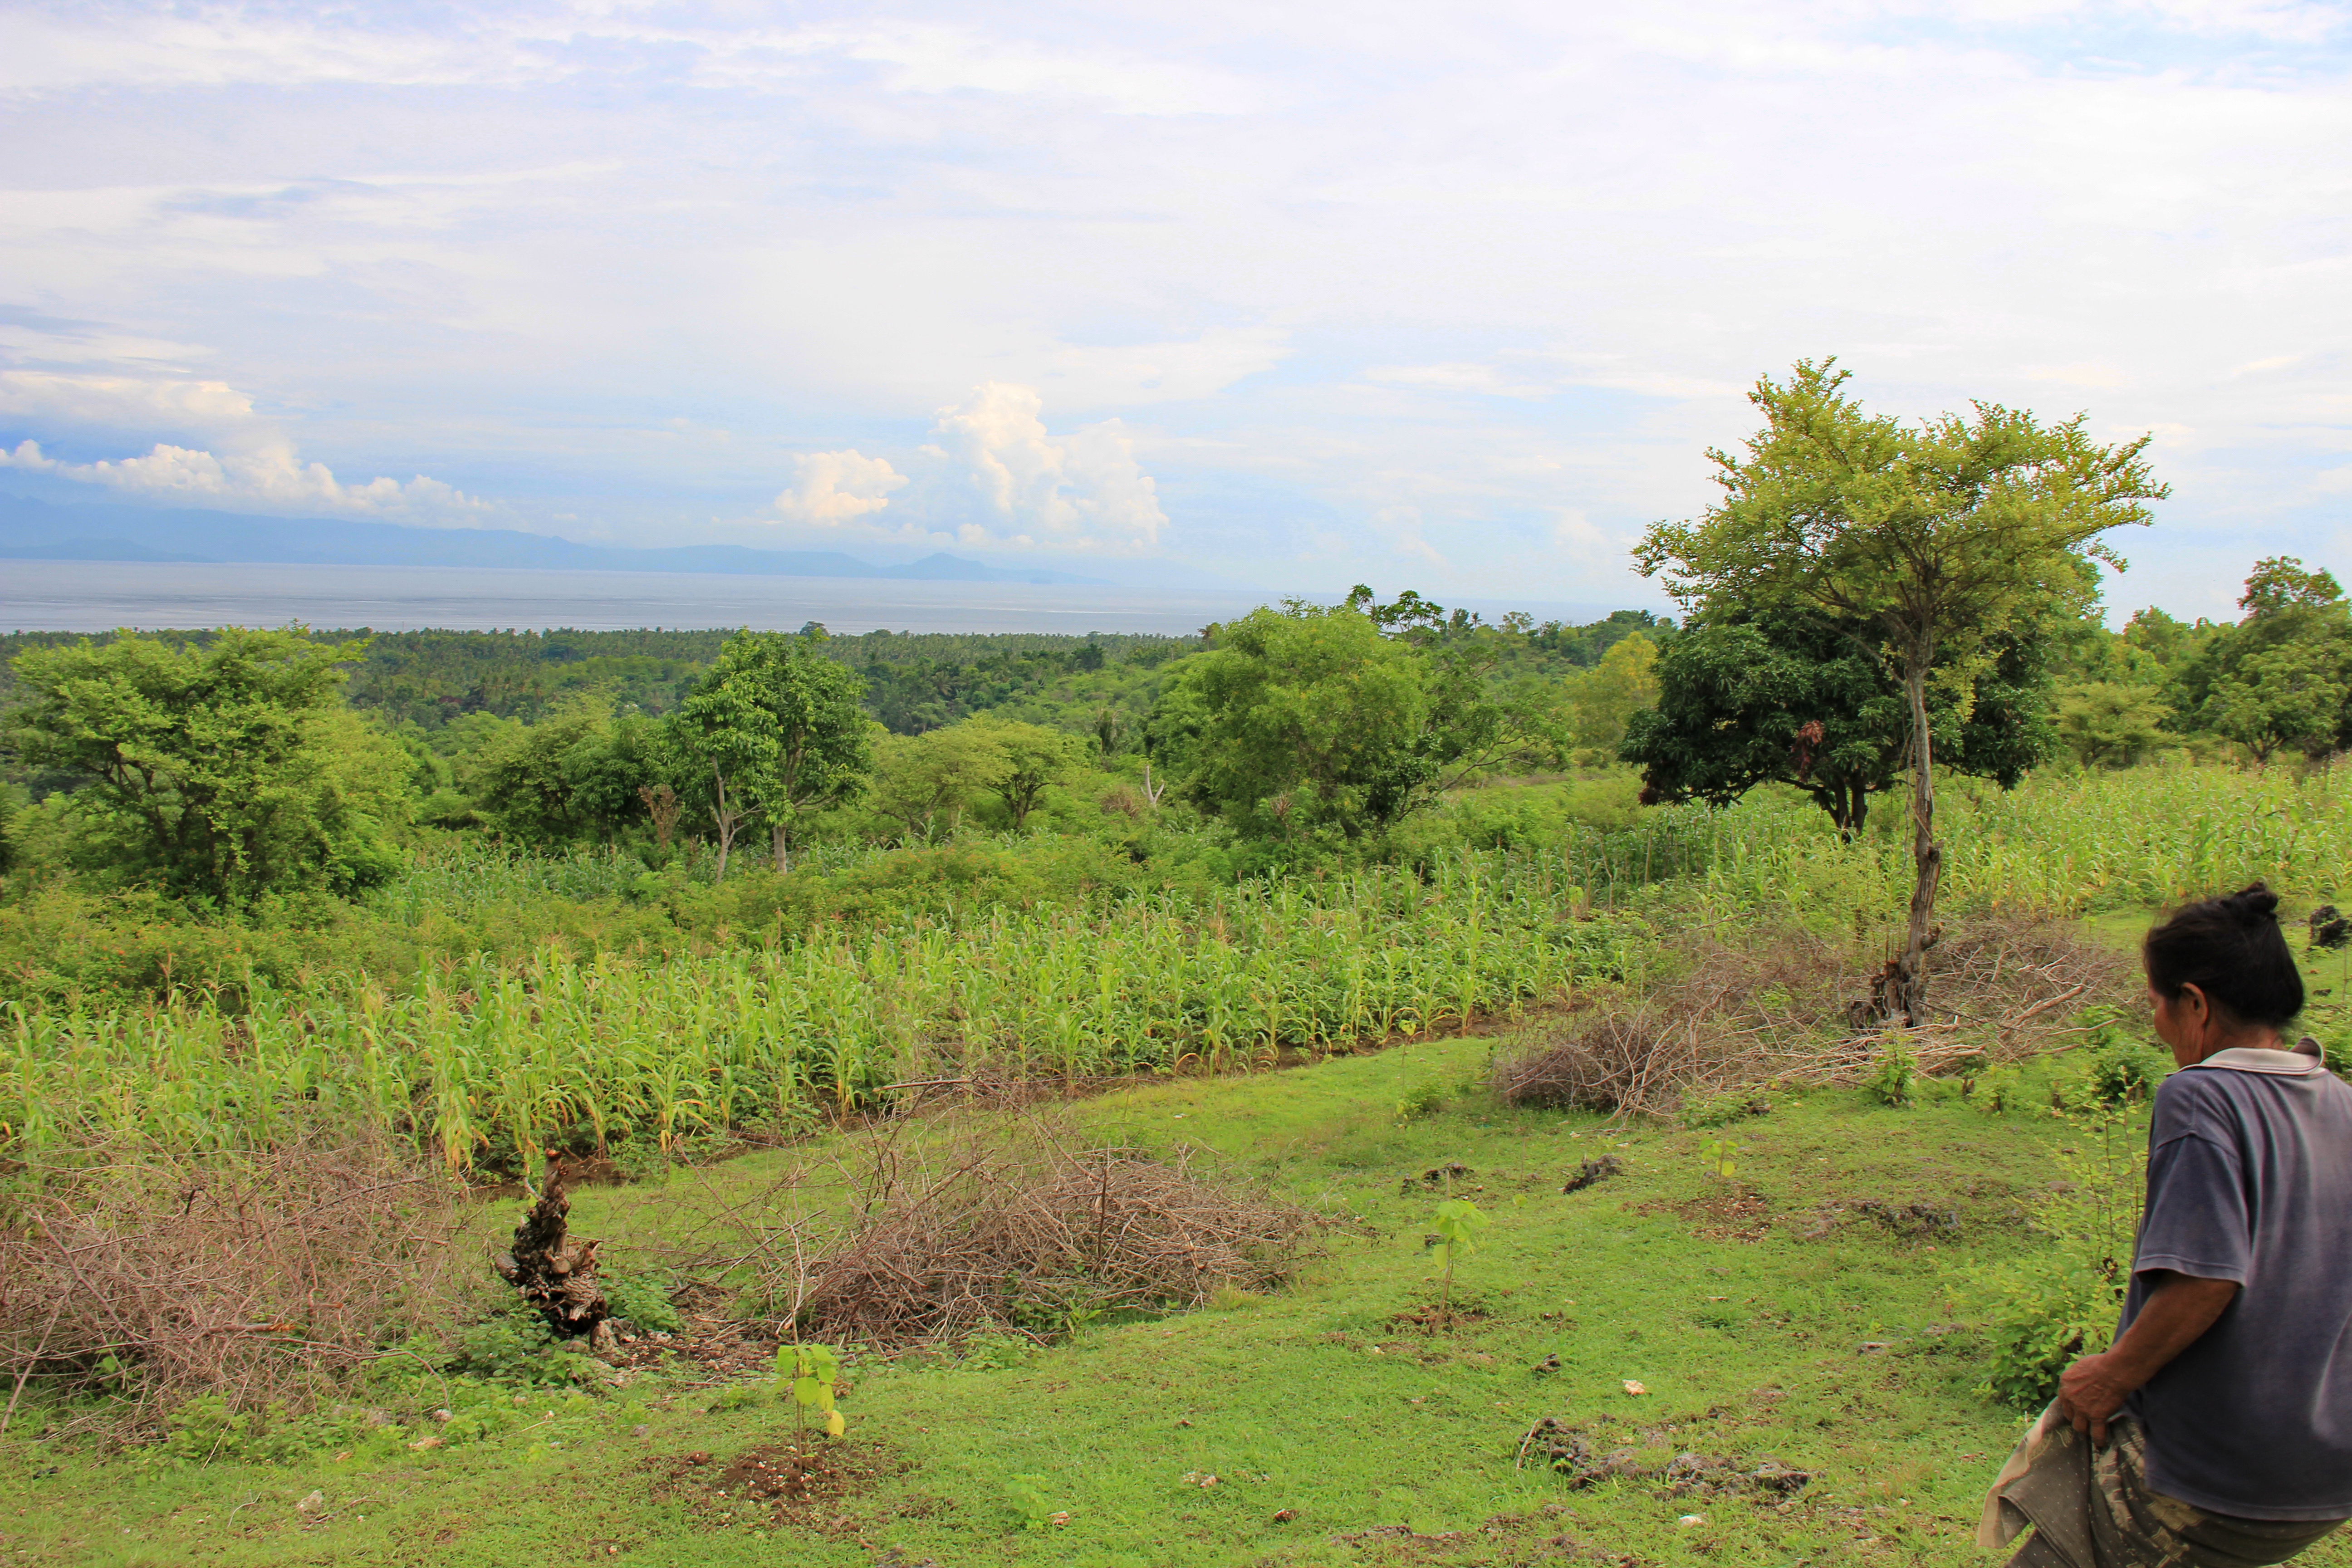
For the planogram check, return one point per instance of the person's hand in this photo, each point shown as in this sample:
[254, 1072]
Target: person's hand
[2091, 1391]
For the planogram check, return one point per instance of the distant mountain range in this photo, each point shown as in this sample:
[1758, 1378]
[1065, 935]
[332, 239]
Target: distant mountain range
[38, 530]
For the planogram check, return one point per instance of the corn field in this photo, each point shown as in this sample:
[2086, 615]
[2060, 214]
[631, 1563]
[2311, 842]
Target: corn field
[485, 1063]
[483, 1059]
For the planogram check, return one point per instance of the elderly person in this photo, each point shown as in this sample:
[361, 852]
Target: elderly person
[2217, 1430]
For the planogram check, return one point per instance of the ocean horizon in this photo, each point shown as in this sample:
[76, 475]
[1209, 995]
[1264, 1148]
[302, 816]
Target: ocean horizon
[101, 596]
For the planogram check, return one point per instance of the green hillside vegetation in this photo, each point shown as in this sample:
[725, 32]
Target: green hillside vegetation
[1649, 1088]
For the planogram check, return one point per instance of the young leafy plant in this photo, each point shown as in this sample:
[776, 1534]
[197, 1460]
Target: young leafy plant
[809, 1370]
[1896, 1081]
[1026, 1497]
[1457, 1224]
[1721, 1157]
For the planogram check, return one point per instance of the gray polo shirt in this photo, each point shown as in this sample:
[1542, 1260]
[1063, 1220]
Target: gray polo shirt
[2250, 1178]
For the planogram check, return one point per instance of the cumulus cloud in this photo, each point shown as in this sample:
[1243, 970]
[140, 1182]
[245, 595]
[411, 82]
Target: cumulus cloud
[270, 476]
[244, 460]
[1084, 490]
[835, 488]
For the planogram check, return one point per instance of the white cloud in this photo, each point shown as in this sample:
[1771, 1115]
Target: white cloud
[1082, 491]
[125, 402]
[271, 478]
[246, 460]
[1564, 238]
[835, 488]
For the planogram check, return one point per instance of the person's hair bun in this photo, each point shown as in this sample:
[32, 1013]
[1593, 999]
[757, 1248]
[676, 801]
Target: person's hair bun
[2256, 905]
[2230, 948]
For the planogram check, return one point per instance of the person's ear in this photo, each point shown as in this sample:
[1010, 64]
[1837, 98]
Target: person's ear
[2193, 1005]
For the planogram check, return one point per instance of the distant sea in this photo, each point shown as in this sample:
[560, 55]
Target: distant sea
[99, 596]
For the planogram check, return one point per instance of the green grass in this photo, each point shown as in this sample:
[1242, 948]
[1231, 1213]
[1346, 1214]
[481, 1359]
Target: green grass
[1309, 1400]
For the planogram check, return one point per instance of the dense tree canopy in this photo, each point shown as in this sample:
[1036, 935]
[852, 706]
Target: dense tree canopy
[777, 732]
[1333, 720]
[2280, 679]
[224, 770]
[1800, 698]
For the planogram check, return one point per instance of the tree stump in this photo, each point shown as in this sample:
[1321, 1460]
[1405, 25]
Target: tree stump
[555, 1273]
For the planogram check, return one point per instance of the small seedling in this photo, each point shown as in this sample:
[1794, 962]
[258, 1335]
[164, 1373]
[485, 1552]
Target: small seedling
[1457, 1224]
[810, 1371]
[1026, 1497]
[1895, 1083]
[1721, 1156]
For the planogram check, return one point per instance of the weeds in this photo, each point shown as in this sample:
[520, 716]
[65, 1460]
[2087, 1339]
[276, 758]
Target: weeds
[2043, 1314]
[1896, 1080]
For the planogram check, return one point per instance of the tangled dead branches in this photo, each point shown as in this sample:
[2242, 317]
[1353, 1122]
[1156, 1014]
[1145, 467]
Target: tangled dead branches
[1029, 1233]
[1775, 1010]
[145, 1275]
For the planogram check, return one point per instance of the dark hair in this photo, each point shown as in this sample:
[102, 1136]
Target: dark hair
[2231, 949]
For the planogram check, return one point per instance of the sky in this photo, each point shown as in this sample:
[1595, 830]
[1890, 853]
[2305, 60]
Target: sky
[1296, 295]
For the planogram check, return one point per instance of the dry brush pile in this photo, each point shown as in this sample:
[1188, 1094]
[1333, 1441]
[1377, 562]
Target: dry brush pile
[140, 1276]
[928, 1232]
[1780, 1009]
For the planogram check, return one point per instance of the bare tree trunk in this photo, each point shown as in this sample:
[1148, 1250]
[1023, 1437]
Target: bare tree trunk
[1909, 990]
[781, 836]
[725, 820]
[556, 1272]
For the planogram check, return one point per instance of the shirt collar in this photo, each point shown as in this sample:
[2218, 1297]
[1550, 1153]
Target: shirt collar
[2306, 1058]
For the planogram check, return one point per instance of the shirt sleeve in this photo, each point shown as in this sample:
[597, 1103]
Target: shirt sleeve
[2197, 1222]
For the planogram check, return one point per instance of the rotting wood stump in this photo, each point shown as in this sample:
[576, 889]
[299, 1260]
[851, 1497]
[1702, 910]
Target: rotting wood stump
[555, 1273]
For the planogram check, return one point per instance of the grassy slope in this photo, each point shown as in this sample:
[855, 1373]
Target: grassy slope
[1309, 1401]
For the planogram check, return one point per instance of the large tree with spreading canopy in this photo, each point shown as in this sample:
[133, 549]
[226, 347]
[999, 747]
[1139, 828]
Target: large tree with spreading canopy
[1936, 537]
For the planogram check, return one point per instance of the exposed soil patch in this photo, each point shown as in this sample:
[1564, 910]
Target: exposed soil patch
[1911, 1221]
[1709, 1476]
[1593, 1172]
[1729, 1213]
[1436, 1319]
[803, 1482]
[1436, 1178]
[719, 1348]
[1566, 1451]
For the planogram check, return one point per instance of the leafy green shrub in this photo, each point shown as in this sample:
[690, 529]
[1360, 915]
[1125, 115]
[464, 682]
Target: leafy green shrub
[1025, 1496]
[2044, 1312]
[1706, 1110]
[808, 1371]
[643, 1300]
[2045, 1317]
[1425, 1098]
[998, 1353]
[1896, 1081]
[2118, 1066]
[2123, 1071]
[1997, 1090]
[514, 1345]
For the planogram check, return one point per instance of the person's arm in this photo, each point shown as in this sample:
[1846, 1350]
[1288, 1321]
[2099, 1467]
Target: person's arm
[2180, 1308]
